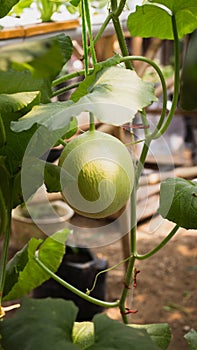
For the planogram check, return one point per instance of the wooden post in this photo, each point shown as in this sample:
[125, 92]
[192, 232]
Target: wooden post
[105, 47]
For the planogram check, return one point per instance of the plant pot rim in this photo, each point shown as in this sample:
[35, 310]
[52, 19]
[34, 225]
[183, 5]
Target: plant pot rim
[69, 212]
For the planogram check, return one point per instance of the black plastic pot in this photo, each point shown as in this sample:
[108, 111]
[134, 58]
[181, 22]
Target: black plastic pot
[79, 268]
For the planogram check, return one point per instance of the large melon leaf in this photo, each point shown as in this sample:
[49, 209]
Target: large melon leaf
[154, 18]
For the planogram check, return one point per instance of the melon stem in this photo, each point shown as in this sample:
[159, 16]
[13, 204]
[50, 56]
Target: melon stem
[92, 122]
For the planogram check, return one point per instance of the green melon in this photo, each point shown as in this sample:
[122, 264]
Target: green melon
[97, 174]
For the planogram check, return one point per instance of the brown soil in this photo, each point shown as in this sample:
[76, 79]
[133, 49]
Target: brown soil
[166, 284]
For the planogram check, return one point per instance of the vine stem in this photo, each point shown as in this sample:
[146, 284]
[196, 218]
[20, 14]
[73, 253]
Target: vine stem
[176, 78]
[134, 257]
[140, 165]
[126, 289]
[159, 246]
[62, 142]
[104, 271]
[68, 76]
[150, 137]
[120, 7]
[5, 254]
[103, 27]
[92, 49]
[145, 123]
[89, 26]
[164, 88]
[162, 126]
[64, 89]
[116, 11]
[3, 215]
[121, 40]
[72, 288]
[92, 122]
[133, 252]
[84, 38]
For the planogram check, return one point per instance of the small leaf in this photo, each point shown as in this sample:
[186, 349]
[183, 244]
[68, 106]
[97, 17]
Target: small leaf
[40, 324]
[31, 66]
[10, 103]
[153, 19]
[6, 6]
[178, 202]
[191, 338]
[188, 92]
[75, 2]
[52, 177]
[24, 274]
[160, 333]
[111, 334]
[19, 8]
[83, 334]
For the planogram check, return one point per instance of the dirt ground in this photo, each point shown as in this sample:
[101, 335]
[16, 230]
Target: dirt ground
[166, 284]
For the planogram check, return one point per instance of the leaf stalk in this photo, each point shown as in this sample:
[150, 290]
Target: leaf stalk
[72, 288]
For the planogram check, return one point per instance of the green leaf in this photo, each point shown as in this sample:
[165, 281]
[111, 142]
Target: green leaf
[17, 190]
[32, 175]
[88, 82]
[40, 324]
[31, 66]
[10, 103]
[5, 6]
[153, 19]
[43, 57]
[2, 133]
[13, 81]
[112, 102]
[19, 8]
[83, 334]
[118, 94]
[75, 2]
[70, 130]
[35, 169]
[188, 92]
[15, 149]
[4, 179]
[191, 338]
[178, 202]
[160, 333]
[115, 95]
[12, 107]
[52, 174]
[24, 274]
[53, 116]
[111, 334]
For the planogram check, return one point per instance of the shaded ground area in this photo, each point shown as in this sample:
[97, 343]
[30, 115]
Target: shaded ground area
[166, 288]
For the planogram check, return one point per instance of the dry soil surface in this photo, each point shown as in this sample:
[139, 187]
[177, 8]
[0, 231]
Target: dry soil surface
[166, 284]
